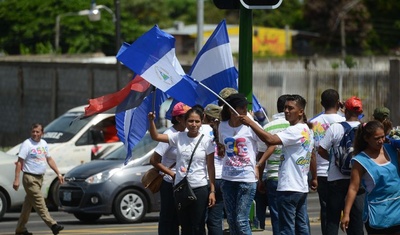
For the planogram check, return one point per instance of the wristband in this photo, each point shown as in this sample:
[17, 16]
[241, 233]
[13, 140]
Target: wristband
[212, 191]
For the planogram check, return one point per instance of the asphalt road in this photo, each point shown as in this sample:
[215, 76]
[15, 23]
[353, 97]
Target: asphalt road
[109, 226]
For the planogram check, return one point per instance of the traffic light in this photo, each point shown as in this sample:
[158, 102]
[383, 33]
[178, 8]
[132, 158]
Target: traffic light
[249, 4]
[261, 4]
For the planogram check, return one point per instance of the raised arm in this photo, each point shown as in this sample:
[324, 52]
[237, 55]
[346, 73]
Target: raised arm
[266, 137]
[153, 130]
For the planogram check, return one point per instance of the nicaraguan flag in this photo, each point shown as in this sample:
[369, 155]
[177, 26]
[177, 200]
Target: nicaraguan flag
[132, 124]
[152, 56]
[214, 66]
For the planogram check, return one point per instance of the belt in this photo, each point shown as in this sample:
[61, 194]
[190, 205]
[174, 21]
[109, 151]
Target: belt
[36, 175]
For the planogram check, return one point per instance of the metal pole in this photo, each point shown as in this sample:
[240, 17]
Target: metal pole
[343, 37]
[246, 53]
[200, 24]
[117, 39]
[57, 36]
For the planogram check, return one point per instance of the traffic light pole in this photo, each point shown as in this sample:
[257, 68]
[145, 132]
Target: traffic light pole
[246, 53]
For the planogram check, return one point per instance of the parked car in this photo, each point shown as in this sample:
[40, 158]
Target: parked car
[9, 198]
[107, 186]
[73, 141]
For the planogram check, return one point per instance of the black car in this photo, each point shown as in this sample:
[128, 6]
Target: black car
[106, 186]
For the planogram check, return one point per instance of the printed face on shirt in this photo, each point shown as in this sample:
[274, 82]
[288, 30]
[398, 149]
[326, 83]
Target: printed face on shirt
[293, 113]
[36, 133]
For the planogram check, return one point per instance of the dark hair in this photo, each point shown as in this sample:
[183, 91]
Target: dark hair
[280, 104]
[194, 110]
[174, 120]
[387, 125]
[365, 130]
[36, 125]
[225, 113]
[329, 98]
[198, 107]
[301, 103]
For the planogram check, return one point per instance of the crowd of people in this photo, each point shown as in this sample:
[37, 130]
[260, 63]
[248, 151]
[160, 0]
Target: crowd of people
[232, 162]
[296, 156]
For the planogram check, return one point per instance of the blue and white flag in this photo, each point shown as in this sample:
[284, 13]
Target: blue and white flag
[152, 56]
[133, 124]
[214, 66]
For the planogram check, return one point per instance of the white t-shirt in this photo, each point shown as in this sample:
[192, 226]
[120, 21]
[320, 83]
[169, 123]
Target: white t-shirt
[207, 130]
[168, 154]
[35, 156]
[298, 144]
[198, 169]
[240, 152]
[321, 123]
[332, 137]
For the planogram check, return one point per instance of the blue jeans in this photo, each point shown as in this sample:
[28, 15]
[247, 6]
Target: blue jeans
[193, 217]
[272, 185]
[238, 197]
[292, 210]
[323, 198]
[335, 204]
[168, 222]
[215, 214]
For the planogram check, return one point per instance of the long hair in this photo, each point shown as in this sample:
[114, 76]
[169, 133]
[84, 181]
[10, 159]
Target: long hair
[365, 130]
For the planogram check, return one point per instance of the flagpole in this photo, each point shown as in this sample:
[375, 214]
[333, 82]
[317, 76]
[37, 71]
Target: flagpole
[265, 114]
[219, 97]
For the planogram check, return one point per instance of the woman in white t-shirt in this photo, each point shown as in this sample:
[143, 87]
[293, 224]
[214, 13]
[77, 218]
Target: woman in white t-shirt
[297, 141]
[239, 177]
[192, 217]
[164, 159]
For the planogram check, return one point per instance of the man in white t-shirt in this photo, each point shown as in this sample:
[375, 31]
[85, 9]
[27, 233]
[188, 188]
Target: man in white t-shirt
[331, 103]
[338, 183]
[297, 141]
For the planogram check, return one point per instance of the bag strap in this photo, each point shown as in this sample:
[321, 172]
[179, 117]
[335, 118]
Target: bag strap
[191, 157]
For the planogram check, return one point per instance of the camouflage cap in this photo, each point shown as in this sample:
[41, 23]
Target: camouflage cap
[225, 93]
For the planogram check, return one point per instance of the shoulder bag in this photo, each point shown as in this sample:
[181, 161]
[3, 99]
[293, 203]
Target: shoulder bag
[183, 192]
[152, 179]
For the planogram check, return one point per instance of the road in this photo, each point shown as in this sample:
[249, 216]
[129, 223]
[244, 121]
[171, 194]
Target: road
[109, 226]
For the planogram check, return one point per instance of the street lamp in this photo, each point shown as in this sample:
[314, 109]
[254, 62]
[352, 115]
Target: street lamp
[93, 13]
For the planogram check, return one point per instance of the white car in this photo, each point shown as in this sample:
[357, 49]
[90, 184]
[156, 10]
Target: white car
[9, 198]
[72, 141]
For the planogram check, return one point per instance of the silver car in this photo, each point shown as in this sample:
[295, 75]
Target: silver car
[106, 186]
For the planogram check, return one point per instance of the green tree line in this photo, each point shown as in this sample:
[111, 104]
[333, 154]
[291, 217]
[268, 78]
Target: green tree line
[28, 26]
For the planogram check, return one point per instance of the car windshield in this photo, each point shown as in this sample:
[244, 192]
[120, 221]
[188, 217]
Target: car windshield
[144, 146]
[65, 127]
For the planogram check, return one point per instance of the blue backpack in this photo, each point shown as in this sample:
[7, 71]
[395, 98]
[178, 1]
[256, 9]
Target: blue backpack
[344, 152]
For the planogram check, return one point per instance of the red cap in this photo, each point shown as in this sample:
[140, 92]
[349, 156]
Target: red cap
[354, 104]
[179, 109]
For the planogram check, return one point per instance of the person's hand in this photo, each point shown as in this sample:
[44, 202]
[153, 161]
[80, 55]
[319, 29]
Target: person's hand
[211, 199]
[261, 187]
[16, 184]
[245, 120]
[344, 223]
[314, 184]
[151, 116]
[61, 178]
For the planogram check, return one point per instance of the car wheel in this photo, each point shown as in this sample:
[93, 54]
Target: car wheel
[130, 206]
[87, 217]
[53, 196]
[3, 205]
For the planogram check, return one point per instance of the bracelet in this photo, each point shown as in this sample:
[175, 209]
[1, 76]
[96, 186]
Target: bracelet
[59, 175]
[212, 191]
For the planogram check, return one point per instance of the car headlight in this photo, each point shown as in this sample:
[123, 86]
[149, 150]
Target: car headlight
[101, 177]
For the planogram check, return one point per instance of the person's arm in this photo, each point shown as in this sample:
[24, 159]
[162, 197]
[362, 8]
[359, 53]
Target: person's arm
[155, 160]
[323, 153]
[356, 173]
[18, 169]
[53, 166]
[266, 137]
[153, 130]
[211, 176]
[313, 170]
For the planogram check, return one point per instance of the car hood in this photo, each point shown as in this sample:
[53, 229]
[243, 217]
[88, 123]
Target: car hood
[88, 169]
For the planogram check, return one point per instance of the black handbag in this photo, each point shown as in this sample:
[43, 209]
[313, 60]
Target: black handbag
[183, 192]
